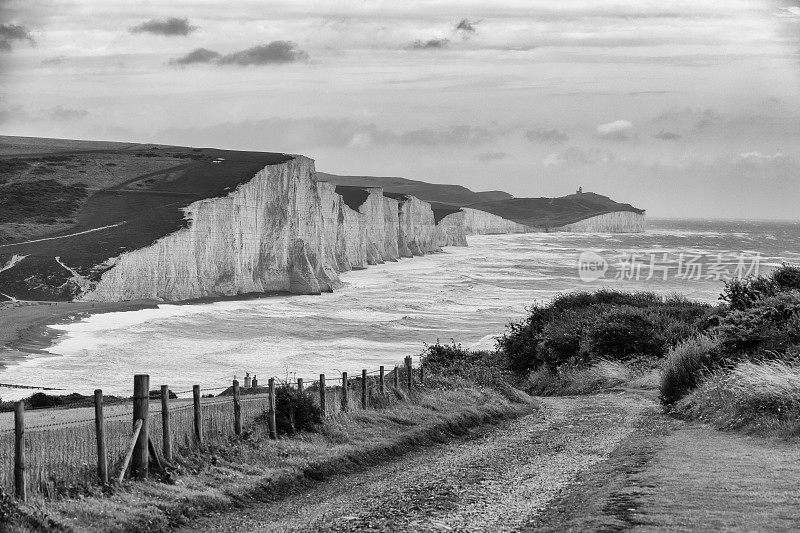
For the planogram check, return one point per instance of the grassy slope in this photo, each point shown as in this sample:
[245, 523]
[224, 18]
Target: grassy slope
[430, 192]
[536, 212]
[258, 468]
[150, 205]
[554, 212]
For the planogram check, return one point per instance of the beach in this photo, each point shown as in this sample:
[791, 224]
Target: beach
[23, 325]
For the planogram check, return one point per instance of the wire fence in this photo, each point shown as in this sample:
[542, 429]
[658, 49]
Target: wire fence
[61, 454]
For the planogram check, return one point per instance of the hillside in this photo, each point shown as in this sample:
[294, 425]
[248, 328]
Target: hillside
[541, 213]
[554, 212]
[83, 202]
[430, 192]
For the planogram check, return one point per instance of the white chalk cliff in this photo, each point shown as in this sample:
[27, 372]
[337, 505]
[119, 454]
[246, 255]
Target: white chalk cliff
[284, 231]
[281, 231]
[614, 222]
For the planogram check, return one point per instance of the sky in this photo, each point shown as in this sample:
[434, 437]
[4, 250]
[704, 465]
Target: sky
[684, 108]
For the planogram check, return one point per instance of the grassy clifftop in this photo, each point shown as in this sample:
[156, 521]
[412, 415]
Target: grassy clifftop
[535, 212]
[84, 201]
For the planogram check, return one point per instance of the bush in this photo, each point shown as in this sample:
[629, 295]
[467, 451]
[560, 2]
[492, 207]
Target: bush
[686, 366]
[295, 411]
[742, 293]
[767, 329]
[452, 360]
[623, 334]
[581, 327]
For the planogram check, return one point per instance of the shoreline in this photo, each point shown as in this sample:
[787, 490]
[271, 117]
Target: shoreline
[24, 330]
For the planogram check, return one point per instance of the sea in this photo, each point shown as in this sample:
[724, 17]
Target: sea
[465, 296]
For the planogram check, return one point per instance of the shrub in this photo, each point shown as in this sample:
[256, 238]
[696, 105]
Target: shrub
[743, 293]
[623, 334]
[686, 366]
[766, 329]
[581, 327]
[295, 411]
[452, 360]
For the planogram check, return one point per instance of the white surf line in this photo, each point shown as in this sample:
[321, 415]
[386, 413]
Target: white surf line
[65, 236]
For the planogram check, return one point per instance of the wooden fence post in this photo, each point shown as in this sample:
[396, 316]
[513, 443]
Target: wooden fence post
[140, 461]
[300, 385]
[198, 415]
[322, 393]
[237, 409]
[100, 433]
[409, 374]
[364, 389]
[166, 433]
[396, 377]
[273, 430]
[345, 392]
[381, 384]
[19, 451]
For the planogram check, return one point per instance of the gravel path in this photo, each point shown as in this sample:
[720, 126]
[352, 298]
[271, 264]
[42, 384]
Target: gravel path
[496, 481]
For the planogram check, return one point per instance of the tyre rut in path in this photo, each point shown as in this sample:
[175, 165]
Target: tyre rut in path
[496, 481]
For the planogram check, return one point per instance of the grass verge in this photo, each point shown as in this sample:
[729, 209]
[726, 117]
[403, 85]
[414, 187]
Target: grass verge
[756, 398]
[230, 475]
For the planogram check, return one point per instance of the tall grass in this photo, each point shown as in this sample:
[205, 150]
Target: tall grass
[757, 397]
[604, 374]
[685, 367]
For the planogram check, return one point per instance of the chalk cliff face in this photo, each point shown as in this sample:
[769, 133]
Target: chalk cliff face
[482, 223]
[616, 222]
[281, 231]
[450, 230]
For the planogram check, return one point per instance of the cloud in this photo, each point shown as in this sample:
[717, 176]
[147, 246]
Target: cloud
[456, 135]
[432, 44]
[263, 54]
[492, 156]
[616, 131]
[9, 33]
[169, 27]
[60, 113]
[667, 136]
[544, 135]
[282, 134]
[18, 114]
[198, 55]
[466, 27]
[13, 113]
[56, 60]
[696, 118]
[298, 134]
[758, 160]
[578, 156]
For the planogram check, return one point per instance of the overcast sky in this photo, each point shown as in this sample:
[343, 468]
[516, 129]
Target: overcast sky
[685, 108]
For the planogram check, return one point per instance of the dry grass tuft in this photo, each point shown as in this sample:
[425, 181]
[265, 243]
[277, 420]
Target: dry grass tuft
[604, 374]
[761, 398]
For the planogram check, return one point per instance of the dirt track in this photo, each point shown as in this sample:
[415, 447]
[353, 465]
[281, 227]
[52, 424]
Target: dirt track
[496, 481]
[609, 462]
